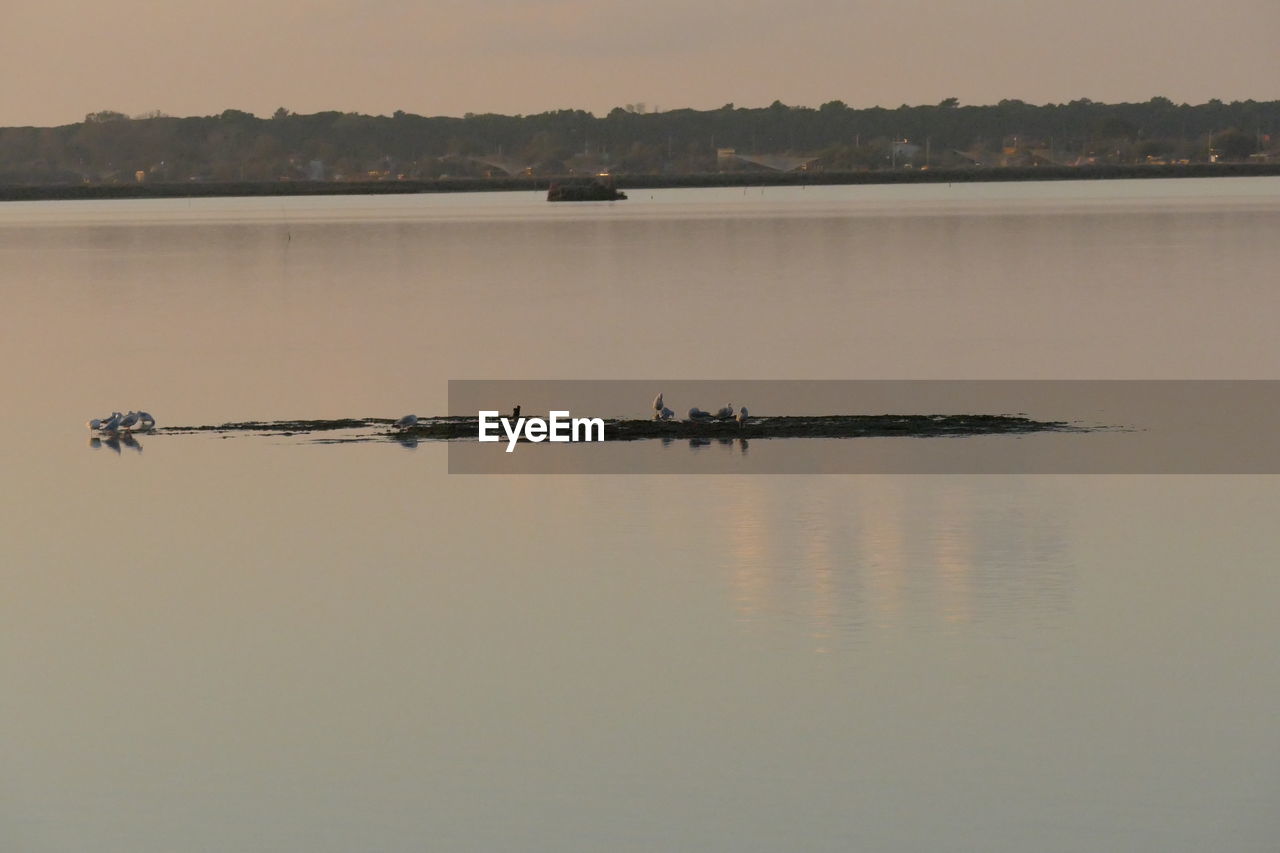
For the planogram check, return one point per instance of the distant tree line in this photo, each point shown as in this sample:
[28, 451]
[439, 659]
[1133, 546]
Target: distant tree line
[111, 147]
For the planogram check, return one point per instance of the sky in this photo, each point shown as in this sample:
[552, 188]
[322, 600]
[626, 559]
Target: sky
[450, 57]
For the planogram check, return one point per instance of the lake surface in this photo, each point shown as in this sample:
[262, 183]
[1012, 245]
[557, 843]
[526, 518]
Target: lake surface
[266, 644]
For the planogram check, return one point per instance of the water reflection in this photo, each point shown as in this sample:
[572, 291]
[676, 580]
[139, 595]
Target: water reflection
[730, 443]
[890, 553]
[696, 444]
[116, 442]
[375, 680]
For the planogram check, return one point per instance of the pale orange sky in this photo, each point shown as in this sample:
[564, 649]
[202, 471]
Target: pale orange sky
[65, 58]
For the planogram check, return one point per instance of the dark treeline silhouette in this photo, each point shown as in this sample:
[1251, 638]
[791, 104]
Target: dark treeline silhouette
[110, 147]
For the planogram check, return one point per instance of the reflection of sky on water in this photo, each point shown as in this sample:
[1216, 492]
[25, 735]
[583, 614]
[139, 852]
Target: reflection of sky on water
[885, 553]
[265, 644]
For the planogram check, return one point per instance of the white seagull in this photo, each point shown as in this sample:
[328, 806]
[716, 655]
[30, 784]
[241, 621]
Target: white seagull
[128, 422]
[145, 422]
[725, 412]
[696, 414]
[101, 423]
[742, 416]
[666, 414]
[657, 403]
[406, 422]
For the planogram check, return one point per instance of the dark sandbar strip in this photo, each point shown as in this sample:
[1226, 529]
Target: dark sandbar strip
[827, 426]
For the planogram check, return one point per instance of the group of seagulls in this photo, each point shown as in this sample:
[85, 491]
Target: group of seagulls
[725, 413]
[128, 422]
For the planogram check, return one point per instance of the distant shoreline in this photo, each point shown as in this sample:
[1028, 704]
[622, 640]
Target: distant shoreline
[724, 179]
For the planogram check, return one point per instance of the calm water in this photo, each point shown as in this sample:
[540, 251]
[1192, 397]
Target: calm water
[263, 644]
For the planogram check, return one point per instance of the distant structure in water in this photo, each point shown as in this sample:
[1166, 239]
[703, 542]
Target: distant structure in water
[600, 189]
